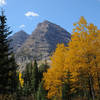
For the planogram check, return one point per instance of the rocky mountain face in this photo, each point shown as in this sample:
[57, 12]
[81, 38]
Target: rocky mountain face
[42, 42]
[17, 40]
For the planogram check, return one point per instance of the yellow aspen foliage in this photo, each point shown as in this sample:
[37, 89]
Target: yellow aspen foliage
[84, 51]
[55, 76]
[20, 79]
[81, 57]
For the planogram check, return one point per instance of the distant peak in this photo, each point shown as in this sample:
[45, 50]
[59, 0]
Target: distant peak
[46, 21]
[22, 31]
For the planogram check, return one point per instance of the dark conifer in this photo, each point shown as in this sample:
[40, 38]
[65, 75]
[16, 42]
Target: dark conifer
[41, 93]
[8, 67]
[35, 77]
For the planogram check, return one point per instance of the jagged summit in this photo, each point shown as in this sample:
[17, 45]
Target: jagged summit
[46, 26]
[46, 22]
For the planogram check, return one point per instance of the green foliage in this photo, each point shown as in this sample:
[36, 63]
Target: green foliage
[34, 78]
[42, 68]
[27, 79]
[8, 67]
[31, 80]
[41, 93]
[67, 87]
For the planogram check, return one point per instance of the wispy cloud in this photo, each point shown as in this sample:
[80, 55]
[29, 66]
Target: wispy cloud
[2, 2]
[31, 14]
[22, 26]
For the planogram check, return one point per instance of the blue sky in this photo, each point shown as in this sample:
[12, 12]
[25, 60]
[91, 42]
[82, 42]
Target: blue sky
[26, 14]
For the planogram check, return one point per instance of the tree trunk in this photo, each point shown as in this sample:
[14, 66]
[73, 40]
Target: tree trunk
[91, 88]
[98, 77]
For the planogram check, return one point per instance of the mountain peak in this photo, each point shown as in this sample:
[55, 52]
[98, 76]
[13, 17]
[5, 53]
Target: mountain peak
[21, 32]
[46, 22]
[52, 28]
[18, 39]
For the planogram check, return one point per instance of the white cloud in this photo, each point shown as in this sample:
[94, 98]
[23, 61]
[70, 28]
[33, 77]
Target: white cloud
[31, 14]
[2, 2]
[22, 26]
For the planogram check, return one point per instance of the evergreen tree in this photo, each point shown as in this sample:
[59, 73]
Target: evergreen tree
[34, 78]
[27, 79]
[67, 87]
[8, 67]
[41, 93]
[42, 68]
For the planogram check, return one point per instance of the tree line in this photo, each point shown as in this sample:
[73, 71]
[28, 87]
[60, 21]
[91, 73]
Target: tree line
[31, 82]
